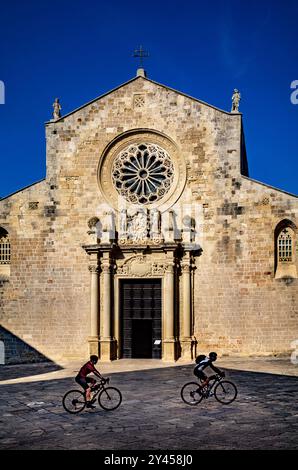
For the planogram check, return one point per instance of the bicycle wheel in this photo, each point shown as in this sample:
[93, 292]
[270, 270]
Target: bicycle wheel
[110, 398]
[225, 392]
[189, 393]
[74, 401]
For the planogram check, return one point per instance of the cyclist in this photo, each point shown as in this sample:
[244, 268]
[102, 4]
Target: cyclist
[84, 381]
[202, 362]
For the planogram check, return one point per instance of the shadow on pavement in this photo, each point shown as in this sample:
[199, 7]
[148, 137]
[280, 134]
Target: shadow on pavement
[15, 350]
[26, 370]
[152, 414]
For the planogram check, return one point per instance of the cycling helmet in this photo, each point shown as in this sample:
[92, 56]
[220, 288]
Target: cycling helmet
[94, 358]
[213, 356]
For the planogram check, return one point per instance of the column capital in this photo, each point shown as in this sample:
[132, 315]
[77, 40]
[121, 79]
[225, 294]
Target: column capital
[93, 268]
[170, 267]
[185, 267]
[106, 268]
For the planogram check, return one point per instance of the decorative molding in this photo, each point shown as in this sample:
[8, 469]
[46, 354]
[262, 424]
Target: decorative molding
[265, 201]
[92, 222]
[137, 227]
[141, 228]
[156, 240]
[170, 267]
[123, 270]
[139, 101]
[106, 268]
[158, 268]
[141, 266]
[132, 242]
[185, 268]
[93, 268]
[33, 205]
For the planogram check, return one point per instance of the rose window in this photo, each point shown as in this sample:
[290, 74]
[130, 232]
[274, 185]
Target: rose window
[143, 173]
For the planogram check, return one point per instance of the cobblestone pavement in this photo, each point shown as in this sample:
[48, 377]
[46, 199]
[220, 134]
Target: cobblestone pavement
[152, 414]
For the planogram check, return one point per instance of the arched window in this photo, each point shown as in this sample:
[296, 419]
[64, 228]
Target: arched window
[285, 237]
[285, 246]
[4, 247]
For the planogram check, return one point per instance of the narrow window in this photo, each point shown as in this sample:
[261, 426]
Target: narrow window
[285, 246]
[285, 262]
[4, 247]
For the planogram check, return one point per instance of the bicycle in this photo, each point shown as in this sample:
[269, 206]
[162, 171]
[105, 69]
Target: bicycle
[224, 391]
[109, 398]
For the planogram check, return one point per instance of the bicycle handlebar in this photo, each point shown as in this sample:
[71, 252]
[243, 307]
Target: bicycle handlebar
[104, 381]
[100, 384]
[220, 376]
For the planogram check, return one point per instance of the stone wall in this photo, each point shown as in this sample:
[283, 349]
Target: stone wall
[244, 308]
[239, 306]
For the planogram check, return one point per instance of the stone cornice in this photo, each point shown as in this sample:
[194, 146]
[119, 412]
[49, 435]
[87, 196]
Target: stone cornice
[268, 186]
[108, 247]
[47, 123]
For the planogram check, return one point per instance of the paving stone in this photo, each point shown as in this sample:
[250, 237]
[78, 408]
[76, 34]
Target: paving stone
[264, 415]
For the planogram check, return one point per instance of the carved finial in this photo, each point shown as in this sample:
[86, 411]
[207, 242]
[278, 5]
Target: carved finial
[235, 101]
[57, 109]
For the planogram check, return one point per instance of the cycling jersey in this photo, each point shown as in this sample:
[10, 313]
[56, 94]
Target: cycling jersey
[87, 369]
[206, 363]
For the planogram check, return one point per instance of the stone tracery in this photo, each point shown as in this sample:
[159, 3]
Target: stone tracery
[143, 173]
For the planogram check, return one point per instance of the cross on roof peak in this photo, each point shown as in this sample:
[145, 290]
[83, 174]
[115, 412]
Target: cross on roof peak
[141, 54]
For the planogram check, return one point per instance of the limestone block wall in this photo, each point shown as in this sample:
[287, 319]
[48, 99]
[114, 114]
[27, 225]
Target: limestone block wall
[44, 303]
[238, 305]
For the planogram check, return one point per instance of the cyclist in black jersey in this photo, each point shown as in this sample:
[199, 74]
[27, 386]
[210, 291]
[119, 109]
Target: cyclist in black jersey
[203, 363]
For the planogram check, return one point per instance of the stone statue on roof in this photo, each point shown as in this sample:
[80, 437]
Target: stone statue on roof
[235, 101]
[57, 109]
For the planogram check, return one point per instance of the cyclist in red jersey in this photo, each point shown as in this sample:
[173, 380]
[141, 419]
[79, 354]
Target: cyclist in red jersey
[84, 381]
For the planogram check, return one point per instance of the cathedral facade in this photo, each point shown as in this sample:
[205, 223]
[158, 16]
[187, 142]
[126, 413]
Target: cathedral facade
[147, 238]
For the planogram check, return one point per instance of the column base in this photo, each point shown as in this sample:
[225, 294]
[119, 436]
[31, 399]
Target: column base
[108, 350]
[169, 350]
[186, 349]
[93, 345]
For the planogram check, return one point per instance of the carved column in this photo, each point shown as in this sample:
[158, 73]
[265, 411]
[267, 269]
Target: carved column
[186, 309]
[94, 310]
[106, 340]
[169, 343]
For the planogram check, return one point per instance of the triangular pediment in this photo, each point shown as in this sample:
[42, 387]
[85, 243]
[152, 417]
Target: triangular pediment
[126, 84]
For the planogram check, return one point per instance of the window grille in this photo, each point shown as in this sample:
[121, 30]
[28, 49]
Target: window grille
[285, 246]
[4, 249]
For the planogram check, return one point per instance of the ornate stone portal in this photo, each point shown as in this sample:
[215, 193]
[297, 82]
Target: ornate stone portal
[140, 252]
[141, 174]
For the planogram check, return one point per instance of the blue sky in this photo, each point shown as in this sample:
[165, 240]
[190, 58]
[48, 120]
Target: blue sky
[77, 50]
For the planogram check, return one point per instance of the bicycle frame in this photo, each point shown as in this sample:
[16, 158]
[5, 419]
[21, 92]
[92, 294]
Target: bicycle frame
[215, 380]
[223, 390]
[97, 388]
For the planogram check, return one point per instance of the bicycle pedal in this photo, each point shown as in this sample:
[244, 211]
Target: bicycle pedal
[89, 405]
